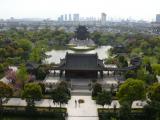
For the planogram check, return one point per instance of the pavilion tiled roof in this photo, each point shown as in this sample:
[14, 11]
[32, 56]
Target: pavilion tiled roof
[74, 61]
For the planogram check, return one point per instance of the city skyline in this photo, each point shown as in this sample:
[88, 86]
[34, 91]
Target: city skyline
[122, 9]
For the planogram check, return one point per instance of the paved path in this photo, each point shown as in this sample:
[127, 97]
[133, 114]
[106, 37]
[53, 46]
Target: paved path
[83, 111]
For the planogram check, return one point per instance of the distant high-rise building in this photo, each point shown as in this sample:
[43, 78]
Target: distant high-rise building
[65, 18]
[61, 18]
[70, 17]
[158, 18]
[103, 18]
[75, 17]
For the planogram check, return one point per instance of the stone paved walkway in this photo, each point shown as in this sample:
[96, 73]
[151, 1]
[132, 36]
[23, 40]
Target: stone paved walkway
[83, 111]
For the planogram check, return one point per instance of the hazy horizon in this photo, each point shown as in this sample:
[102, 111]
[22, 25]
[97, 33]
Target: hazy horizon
[132, 9]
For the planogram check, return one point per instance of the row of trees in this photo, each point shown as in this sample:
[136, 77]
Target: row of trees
[19, 46]
[33, 92]
[129, 91]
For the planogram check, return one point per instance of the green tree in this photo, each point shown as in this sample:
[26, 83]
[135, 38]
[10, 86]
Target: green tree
[124, 112]
[97, 88]
[5, 91]
[132, 89]
[130, 74]
[22, 74]
[25, 44]
[152, 110]
[103, 40]
[122, 62]
[42, 72]
[63, 86]
[32, 92]
[150, 78]
[156, 68]
[154, 92]
[35, 55]
[60, 96]
[103, 98]
[96, 36]
[149, 68]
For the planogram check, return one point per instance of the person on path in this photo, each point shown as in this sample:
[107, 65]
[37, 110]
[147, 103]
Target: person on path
[75, 103]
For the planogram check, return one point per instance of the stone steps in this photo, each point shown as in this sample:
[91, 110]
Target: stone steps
[81, 92]
[80, 87]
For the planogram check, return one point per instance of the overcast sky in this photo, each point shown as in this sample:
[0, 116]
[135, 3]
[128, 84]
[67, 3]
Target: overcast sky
[136, 9]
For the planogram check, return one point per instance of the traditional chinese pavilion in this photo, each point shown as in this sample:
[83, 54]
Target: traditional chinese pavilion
[81, 65]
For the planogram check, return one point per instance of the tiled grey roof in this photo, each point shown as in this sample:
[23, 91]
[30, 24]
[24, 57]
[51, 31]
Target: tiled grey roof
[81, 62]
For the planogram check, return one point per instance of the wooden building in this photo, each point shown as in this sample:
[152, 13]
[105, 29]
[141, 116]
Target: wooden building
[81, 65]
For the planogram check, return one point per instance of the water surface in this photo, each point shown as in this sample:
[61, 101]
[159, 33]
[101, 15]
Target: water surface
[56, 55]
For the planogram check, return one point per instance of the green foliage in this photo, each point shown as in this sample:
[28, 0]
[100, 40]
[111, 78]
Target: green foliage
[122, 62]
[35, 55]
[104, 98]
[63, 85]
[61, 94]
[96, 36]
[110, 60]
[130, 90]
[149, 68]
[154, 92]
[156, 68]
[124, 112]
[97, 88]
[2, 68]
[25, 44]
[152, 110]
[22, 74]
[103, 40]
[5, 91]
[42, 87]
[31, 92]
[42, 71]
[148, 78]
[130, 74]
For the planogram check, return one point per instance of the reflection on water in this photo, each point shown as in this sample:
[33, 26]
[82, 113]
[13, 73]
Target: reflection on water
[56, 55]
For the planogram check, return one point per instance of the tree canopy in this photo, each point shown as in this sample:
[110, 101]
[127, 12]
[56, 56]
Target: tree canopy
[97, 88]
[130, 90]
[5, 91]
[31, 92]
[103, 98]
[22, 74]
[154, 92]
[61, 94]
